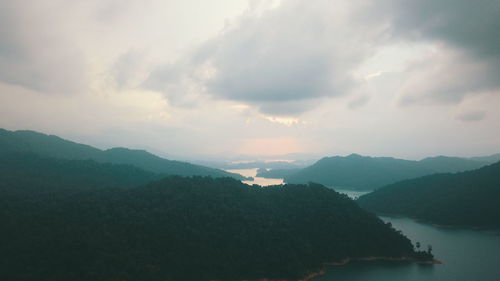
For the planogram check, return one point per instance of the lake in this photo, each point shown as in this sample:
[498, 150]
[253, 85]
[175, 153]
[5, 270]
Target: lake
[266, 181]
[256, 180]
[466, 255]
[353, 194]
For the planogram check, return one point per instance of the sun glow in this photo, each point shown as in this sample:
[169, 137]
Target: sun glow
[270, 146]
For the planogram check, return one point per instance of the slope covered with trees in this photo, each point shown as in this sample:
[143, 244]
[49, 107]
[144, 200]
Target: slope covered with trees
[56, 147]
[30, 172]
[73, 220]
[368, 173]
[463, 199]
[445, 164]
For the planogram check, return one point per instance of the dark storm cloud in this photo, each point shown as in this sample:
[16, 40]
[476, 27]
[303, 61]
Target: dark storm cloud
[473, 25]
[470, 33]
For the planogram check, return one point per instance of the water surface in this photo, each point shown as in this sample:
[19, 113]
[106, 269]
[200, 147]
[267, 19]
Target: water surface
[256, 180]
[466, 255]
[353, 194]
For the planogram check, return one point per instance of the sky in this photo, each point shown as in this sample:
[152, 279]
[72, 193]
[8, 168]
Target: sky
[265, 79]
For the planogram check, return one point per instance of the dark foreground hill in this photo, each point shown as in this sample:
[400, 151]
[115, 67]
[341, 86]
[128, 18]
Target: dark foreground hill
[56, 147]
[80, 224]
[27, 172]
[368, 173]
[464, 199]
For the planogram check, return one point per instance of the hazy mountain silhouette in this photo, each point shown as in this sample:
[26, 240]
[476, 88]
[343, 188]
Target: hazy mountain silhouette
[489, 159]
[56, 147]
[469, 198]
[445, 164]
[367, 173]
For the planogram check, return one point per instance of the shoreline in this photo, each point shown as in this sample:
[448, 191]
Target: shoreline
[495, 230]
[348, 260]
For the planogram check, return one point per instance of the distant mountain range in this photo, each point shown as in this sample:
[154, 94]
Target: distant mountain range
[56, 147]
[368, 173]
[469, 198]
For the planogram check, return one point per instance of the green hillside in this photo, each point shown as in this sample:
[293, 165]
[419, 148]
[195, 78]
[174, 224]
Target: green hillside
[469, 198]
[367, 173]
[56, 147]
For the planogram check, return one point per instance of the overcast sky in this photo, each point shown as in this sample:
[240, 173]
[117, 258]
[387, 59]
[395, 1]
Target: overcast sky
[188, 78]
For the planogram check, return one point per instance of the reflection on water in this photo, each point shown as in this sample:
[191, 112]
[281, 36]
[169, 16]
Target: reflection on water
[351, 193]
[256, 180]
[466, 255]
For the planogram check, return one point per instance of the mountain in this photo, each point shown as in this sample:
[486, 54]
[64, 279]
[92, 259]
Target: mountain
[177, 228]
[56, 147]
[488, 159]
[29, 171]
[368, 173]
[444, 164]
[469, 198]
[358, 172]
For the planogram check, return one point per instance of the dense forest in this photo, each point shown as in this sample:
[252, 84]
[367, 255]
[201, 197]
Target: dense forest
[53, 146]
[367, 173]
[463, 199]
[83, 220]
[29, 172]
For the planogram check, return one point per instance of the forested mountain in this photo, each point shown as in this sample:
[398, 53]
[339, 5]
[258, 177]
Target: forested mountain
[53, 146]
[445, 164]
[469, 198]
[73, 220]
[31, 172]
[367, 173]
[358, 172]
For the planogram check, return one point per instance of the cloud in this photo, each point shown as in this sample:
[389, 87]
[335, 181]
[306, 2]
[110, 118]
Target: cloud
[472, 116]
[466, 39]
[35, 51]
[446, 76]
[287, 60]
[472, 25]
[359, 102]
[283, 62]
[128, 69]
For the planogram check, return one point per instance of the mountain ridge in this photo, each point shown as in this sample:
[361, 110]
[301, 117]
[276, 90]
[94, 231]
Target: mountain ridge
[470, 198]
[367, 173]
[57, 147]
